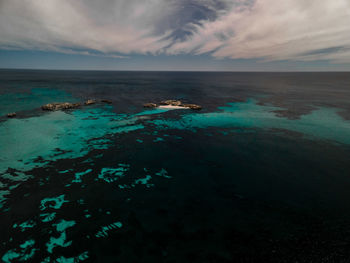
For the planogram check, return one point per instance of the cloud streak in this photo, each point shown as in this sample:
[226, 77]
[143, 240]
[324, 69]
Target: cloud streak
[270, 30]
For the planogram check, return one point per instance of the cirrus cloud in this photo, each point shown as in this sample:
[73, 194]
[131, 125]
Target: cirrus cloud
[303, 30]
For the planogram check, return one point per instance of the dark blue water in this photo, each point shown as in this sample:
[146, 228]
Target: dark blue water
[260, 174]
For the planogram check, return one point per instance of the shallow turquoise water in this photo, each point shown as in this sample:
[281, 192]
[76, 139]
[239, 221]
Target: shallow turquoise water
[165, 182]
[34, 98]
[58, 135]
[36, 141]
[320, 124]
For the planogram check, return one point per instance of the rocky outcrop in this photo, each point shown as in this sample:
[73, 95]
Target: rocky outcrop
[175, 103]
[150, 105]
[67, 105]
[107, 101]
[90, 102]
[192, 106]
[11, 115]
[60, 106]
[171, 102]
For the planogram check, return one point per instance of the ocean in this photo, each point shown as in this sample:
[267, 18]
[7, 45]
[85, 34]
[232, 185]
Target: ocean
[260, 174]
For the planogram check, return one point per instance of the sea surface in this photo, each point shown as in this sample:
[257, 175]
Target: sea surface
[260, 174]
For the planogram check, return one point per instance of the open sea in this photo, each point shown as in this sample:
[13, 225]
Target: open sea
[260, 174]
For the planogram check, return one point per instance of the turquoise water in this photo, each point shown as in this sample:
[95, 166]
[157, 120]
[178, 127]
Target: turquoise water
[316, 125]
[130, 184]
[26, 252]
[105, 229]
[34, 98]
[37, 141]
[57, 135]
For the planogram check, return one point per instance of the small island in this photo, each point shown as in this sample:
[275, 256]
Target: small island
[55, 106]
[173, 104]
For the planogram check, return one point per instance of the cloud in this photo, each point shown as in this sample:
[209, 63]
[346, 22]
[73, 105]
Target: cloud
[270, 30]
[276, 30]
[122, 27]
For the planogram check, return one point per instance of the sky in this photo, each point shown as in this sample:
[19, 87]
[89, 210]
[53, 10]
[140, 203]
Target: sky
[203, 35]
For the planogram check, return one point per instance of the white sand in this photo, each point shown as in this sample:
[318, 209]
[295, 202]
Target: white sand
[170, 107]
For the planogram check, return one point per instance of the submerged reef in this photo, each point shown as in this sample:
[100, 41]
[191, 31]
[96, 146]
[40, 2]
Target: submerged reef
[116, 182]
[250, 115]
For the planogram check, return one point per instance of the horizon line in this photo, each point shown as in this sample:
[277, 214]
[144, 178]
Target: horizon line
[183, 71]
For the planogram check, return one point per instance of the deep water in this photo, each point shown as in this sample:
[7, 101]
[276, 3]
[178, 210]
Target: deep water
[260, 174]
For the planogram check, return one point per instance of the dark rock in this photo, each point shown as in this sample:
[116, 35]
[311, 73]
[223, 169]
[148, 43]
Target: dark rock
[192, 106]
[107, 101]
[90, 102]
[11, 115]
[60, 106]
[150, 105]
[171, 102]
